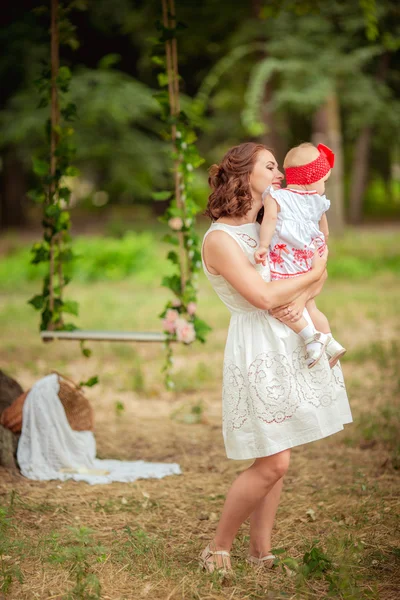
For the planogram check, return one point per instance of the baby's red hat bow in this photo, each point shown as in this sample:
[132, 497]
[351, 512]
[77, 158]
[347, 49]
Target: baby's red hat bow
[330, 156]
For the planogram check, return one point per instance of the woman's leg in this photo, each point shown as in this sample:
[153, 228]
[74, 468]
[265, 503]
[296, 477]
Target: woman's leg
[246, 493]
[262, 520]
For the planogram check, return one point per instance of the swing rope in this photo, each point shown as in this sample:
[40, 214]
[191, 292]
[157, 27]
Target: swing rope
[53, 332]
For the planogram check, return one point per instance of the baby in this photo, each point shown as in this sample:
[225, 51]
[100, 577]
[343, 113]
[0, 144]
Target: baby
[294, 226]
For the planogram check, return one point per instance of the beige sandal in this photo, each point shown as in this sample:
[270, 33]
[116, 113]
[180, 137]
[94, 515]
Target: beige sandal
[208, 563]
[265, 562]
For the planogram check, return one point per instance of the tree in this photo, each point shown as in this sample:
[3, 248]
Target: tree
[314, 75]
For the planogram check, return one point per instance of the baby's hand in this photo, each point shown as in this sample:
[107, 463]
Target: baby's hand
[261, 255]
[266, 192]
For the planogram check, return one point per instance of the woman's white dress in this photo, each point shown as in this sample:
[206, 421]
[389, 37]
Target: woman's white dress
[271, 400]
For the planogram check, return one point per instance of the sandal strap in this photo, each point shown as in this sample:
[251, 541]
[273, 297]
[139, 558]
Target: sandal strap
[220, 553]
[262, 559]
[314, 338]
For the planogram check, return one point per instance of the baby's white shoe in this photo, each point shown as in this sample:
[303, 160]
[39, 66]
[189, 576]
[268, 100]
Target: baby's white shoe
[334, 351]
[315, 346]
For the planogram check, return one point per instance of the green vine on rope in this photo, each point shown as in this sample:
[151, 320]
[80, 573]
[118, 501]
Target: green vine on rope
[180, 320]
[51, 167]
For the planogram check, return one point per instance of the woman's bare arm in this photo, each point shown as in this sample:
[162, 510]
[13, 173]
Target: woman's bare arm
[224, 256]
[297, 306]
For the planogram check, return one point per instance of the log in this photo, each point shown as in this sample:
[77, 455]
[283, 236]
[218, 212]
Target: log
[10, 390]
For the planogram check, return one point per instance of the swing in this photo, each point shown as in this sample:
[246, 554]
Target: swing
[173, 90]
[105, 336]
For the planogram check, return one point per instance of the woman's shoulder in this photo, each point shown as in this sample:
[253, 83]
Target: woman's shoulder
[221, 234]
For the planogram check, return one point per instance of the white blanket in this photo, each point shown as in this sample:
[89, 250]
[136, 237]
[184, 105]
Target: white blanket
[49, 449]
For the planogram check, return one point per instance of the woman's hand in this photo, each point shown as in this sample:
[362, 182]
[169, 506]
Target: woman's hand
[319, 261]
[291, 312]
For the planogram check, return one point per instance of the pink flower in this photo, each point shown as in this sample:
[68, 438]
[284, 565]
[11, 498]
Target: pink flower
[175, 223]
[170, 321]
[191, 308]
[176, 303]
[168, 326]
[185, 331]
[172, 315]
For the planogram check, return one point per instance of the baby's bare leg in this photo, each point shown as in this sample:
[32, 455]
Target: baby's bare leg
[318, 318]
[298, 325]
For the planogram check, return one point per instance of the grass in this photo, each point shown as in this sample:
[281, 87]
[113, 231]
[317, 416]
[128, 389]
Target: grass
[336, 524]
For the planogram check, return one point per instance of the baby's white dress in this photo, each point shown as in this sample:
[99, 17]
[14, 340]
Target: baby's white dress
[271, 401]
[297, 232]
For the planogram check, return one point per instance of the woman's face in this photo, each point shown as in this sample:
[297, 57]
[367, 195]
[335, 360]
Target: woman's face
[265, 173]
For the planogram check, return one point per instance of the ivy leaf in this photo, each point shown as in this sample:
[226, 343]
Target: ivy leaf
[85, 351]
[53, 211]
[69, 327]
[64, 221]
[90, 382]
[67, 255]
[69, 112]
[71, 307]
[162, 79]
[63, 78]
[72, 171]
[37, 196]
[173, 257]
[173, 283]
[162, 98]
[201, 329]
[158, 60]
[64, 193]
[40, 167]
[40, 254]
[171, 239]
[37, 302]
[46, 319]
[161, 195]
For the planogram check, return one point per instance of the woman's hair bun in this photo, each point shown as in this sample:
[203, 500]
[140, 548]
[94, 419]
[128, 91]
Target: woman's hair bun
[214, 179]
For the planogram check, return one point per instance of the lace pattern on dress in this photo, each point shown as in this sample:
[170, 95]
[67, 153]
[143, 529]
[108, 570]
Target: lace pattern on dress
[275, 386]
[248, 240]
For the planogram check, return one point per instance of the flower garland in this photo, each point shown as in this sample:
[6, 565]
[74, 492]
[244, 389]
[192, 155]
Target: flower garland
[179, 317]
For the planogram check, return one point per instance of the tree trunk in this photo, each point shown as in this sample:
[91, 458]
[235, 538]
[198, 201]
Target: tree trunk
[362, 151]
[273, 138]
[359, 174]
[12, 190]
[9, 391]
[327, 130]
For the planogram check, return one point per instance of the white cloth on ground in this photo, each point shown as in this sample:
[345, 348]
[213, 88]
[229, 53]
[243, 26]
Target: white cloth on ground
[48, 445]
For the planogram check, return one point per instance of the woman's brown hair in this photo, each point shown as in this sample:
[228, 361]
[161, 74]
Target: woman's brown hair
[230, 182]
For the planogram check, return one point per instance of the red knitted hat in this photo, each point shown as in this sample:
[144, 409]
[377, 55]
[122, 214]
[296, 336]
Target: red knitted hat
[313, 171]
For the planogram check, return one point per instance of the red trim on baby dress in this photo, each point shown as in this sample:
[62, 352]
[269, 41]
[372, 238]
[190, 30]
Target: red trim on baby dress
[307, 192]
[277, 275]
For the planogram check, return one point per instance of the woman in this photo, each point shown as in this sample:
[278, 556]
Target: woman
[271, 400]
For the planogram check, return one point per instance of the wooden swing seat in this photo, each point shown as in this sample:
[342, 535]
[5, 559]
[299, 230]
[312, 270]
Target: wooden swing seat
[105, 336]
